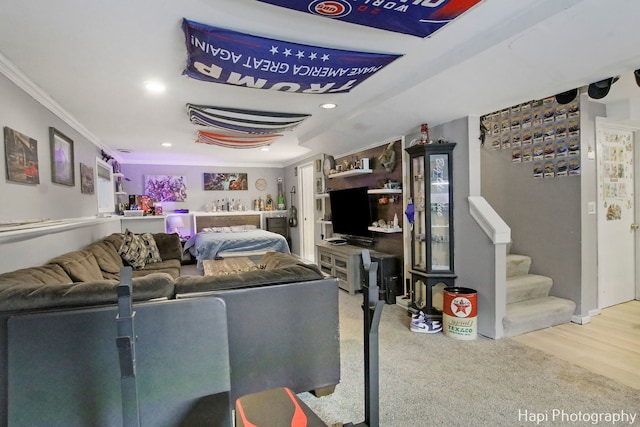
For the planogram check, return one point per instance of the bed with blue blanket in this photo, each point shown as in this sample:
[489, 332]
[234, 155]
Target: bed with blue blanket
[232, 236]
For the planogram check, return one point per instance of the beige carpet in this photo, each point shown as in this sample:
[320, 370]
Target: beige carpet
[434, 380]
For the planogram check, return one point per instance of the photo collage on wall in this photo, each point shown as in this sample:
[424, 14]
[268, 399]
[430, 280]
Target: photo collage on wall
[615, 177]
[541, 133]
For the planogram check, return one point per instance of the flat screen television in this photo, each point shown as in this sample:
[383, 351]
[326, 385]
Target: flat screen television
[351, 211]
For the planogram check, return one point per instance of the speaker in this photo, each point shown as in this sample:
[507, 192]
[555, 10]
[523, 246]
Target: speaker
[388, 276]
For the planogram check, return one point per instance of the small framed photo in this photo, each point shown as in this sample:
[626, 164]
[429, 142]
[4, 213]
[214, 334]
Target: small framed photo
[86, 179]
[21, 157]
[62, 170]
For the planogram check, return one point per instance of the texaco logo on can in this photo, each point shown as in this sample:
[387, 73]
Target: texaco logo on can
[330, 8]
[461, 307]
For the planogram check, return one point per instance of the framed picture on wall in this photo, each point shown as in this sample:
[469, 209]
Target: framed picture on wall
[62, 170]
[21, 157]
[166, 188]
[86, 179]
[225, 181]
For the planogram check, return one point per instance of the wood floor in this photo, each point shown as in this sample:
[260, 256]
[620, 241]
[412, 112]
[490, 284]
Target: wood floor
[609, 345]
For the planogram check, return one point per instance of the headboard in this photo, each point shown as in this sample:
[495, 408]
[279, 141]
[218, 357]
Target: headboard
[207, 221]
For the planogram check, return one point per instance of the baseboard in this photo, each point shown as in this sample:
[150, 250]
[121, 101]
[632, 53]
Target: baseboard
[583, 320]
[580, 320]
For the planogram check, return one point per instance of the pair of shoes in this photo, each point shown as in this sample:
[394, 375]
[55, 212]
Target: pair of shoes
[426, 326]
[416, 317]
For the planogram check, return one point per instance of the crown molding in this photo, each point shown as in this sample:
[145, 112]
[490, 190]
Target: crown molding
[13, 73]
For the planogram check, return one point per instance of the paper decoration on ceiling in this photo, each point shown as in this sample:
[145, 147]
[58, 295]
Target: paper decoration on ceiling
[235, 141]
[229, 57]
[246, 121]
[416, 17]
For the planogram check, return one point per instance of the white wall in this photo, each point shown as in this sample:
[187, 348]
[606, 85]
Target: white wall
[24, 114]
[473, 251]
[197, 197]
[38, 250]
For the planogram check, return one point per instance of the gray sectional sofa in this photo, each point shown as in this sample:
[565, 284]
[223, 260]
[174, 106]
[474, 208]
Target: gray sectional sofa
[282, 326]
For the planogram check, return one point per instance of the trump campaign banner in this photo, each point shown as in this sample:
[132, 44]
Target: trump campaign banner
[416, 17]
[229, 57]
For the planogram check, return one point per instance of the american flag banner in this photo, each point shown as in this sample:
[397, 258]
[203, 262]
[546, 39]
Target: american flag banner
[246, 121]
[235, 141]
[229, 57]
[416, 17]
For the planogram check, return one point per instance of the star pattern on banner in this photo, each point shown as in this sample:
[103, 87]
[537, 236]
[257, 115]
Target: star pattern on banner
[300, 54]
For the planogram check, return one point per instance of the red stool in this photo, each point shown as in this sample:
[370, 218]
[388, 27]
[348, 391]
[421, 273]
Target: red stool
[278, 407]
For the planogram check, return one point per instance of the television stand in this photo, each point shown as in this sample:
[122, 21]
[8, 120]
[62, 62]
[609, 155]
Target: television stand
[344, 262]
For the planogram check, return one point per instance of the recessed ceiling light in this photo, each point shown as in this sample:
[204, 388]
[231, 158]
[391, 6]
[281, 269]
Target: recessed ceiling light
[166, 144]
[266, 148]
[328, 105]
[154, 86]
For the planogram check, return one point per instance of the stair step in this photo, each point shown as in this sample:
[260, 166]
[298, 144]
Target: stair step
[531, 315]
[518, 265]
[527, 286]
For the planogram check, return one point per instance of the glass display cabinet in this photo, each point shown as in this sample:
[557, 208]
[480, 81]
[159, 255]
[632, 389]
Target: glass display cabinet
[431, 193]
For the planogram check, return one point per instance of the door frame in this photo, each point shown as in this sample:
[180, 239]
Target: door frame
[603, 121]
[306, 212]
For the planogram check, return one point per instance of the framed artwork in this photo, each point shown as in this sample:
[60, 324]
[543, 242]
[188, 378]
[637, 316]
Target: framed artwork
[225, 181]
[86, 179]
[21, 157]
[62, 170]
[166, 188]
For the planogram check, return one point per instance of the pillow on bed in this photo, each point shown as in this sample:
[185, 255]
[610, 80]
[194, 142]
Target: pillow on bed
[217, 229]
[238, 228]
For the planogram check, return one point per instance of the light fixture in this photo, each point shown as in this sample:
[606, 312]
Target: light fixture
[265, 148]
[600, 89]
[566, 97]
[154, 86]
[328, 105]
[166, 144]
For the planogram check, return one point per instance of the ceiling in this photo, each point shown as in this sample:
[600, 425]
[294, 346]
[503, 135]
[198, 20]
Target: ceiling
[91, 58]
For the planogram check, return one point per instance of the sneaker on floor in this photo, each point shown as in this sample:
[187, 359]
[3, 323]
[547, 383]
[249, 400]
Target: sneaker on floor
[426, 326]
[417, 316]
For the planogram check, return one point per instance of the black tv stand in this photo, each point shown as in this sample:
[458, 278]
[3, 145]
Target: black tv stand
[337, 241]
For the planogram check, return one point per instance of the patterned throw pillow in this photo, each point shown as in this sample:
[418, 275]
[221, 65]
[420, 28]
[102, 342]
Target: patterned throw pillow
[133, 250]
[152, 247]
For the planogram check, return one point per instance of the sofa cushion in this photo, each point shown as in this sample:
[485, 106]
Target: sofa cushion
[133, 250]
[170, 266]
[36, 296]
[152, 249]
[293, 273]
[272, 260]
[169, 246]
[115, 240]
[46, 274]
[107, 256]
[81, 266]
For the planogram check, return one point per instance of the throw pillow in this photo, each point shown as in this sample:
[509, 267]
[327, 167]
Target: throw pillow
[150, 242]
[133, 250]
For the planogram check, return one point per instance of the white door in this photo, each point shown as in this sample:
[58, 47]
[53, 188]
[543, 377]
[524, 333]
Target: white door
[307, 218]
[616, 214]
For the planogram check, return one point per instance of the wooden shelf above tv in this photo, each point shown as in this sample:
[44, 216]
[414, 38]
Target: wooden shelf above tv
[350, 173]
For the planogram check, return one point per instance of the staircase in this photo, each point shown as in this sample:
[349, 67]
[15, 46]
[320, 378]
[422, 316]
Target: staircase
[529, 306]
